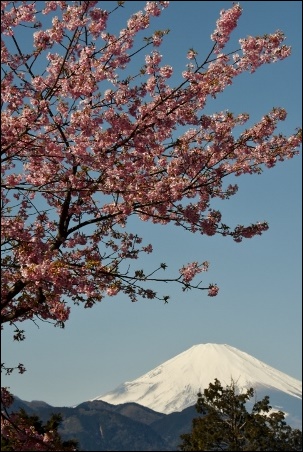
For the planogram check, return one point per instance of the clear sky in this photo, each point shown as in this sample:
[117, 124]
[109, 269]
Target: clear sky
[258, 309]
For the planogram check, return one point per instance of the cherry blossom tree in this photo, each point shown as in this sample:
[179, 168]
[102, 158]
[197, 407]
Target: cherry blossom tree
[19, 431]
[89, 140]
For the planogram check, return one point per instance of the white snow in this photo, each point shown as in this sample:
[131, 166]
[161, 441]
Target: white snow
[173, 386]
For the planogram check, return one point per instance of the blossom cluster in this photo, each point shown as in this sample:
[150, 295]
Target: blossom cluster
[189, 271]
[225, 25]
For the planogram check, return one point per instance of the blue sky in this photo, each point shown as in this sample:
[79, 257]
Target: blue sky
[258, 309]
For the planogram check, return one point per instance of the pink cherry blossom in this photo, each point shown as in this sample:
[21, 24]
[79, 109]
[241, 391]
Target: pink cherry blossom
[225, 25]
[213, 290]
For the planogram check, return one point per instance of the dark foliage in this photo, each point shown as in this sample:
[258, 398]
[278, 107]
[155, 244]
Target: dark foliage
[226, 424]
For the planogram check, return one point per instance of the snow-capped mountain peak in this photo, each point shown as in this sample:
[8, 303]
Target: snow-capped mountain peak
[173, 385]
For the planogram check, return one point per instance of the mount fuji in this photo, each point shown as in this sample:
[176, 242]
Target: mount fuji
[173, 386]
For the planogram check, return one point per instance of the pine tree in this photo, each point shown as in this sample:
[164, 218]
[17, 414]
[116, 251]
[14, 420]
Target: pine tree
[226, 424]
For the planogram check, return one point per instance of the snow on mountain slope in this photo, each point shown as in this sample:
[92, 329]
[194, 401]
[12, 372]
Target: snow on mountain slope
[173, 386]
